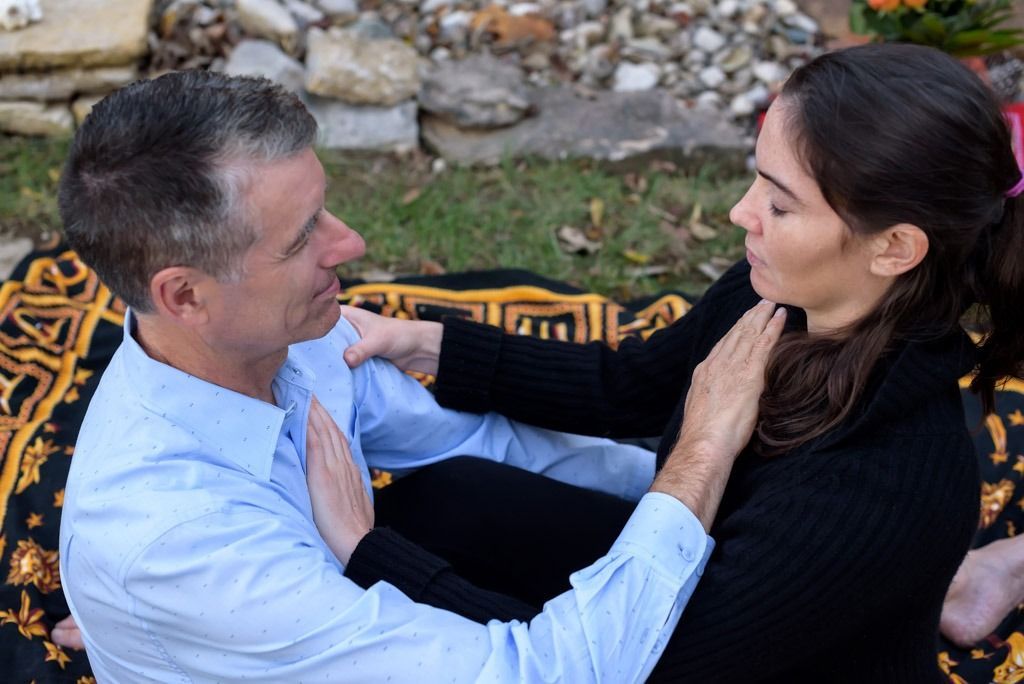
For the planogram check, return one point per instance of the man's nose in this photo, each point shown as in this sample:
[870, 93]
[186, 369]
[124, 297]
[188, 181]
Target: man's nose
[342, 243]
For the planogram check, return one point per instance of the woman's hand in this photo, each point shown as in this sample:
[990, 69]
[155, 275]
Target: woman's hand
[720, 412]
[342, 509]
[66, 634]
[410, 345]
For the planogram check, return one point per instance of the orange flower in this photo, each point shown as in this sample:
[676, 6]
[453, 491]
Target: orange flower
[884, 5]
[28, 619]
[32, 564]
[56, 654]
[915, 4]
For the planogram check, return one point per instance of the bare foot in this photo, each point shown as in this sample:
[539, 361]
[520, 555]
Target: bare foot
[988, 585]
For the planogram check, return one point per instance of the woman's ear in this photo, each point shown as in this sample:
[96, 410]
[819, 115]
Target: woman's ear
[898, 249]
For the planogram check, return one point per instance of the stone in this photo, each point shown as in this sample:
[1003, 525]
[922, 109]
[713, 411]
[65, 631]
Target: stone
[371, 28]
[12, 251]
[522, 9]
[81, 107]
[477, 92]
[711, 76]
[614, 127]
[734, 58]
[646, 50]
[269, 19]
[784, 8]
[347, 66]
[727, 8]
[595, 8]
[51, 86]
[708, 39]
[79, 33]
[338, 8]
[621, 28]
[303, 12]
[709, 100]
[741, 105]
[363, 128]
[657, 27]
[266, 59]
[801, 22]
[598, 64]
[455, 26]
[36, 118]
[770, 72]
[429, 6]
[17, 14]
[631, 77]
[536, 61]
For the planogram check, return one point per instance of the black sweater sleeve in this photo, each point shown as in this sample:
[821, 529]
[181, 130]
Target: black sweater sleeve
[383, 554]
[629, 391]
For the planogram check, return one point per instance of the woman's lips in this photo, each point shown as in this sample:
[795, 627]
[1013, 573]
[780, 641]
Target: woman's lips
[753, 259]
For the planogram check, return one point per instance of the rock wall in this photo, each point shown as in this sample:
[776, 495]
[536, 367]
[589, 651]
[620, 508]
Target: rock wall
[472, 80]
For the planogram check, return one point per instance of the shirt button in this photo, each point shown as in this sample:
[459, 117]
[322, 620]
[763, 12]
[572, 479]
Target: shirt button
[688, 555]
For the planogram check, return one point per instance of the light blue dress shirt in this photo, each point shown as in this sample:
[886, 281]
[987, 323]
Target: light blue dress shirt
[189, 553]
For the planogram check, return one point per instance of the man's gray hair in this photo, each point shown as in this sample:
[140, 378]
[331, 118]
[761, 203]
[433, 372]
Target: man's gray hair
[157, 175]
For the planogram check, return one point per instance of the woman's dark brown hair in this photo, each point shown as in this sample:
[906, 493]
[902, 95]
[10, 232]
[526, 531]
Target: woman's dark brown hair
[903, 134]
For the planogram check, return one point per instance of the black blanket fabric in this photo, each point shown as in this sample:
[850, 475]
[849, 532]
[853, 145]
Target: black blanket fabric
[60, 325]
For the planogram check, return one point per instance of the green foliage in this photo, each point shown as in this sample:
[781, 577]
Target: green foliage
[415, 221]
[963, 28]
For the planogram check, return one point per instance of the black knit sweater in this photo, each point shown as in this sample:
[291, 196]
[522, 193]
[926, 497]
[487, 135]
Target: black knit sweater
[831, 562]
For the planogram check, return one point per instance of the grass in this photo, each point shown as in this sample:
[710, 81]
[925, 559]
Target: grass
[418, 221]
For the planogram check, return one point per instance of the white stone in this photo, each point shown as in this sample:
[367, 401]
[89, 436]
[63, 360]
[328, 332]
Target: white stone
[741, 105]
[770, 72]
[521, 9]
[458, 19]
[269, 19]
[595, 8]
[711, 76]
[734, 58]
[802, 22]
[759, 95]
[16, 14]
[305, 13]
[708, 40]
[695, 58]
[727, 8]
[35, 118]
[428, 6]
[708, 100]
[622, 24]
[632, 77]
[61, 84]
[375, 129]
[338, 8]
[590, 32]
[345, 65]
[79, 33]
[266, 59]
[440, 54]
[784, 8]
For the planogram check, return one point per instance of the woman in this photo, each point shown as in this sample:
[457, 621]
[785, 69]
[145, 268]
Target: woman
[887, 203]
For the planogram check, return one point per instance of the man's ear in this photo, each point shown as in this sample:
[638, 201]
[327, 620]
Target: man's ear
[179, 293]
[898, 249]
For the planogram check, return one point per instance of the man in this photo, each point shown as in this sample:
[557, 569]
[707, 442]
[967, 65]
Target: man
[189, 542]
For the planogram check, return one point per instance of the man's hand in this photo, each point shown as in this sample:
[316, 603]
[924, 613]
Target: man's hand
[65, 633]
[342, 509]
[410, 345]
[720, 412]
[988, 585]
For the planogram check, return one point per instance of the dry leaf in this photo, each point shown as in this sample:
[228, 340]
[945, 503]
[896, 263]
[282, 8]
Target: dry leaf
[572, 240]
[664, 166]
[507, 28]
[647, 271]
[376, 275]
[54, 174]
[710, 270]
[635, 182]
[662, 214]
[596, 211]
[703, 232]
[636, 257]
[431, 267]
[411, 196]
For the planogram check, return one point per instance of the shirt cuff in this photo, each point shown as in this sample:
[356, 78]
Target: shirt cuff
[665, 533]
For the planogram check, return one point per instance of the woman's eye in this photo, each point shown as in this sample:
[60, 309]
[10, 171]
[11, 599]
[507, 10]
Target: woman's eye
[775, 210]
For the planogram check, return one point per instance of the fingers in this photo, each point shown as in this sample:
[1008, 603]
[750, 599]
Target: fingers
[769, 336]
[367, 346]
[66, 633]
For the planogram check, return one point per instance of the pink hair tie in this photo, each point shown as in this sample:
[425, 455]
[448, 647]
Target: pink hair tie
[1018, 188]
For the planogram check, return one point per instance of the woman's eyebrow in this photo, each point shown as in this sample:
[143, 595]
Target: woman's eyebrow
[780, 185]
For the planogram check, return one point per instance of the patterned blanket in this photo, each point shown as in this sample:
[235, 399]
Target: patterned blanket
[59, 326]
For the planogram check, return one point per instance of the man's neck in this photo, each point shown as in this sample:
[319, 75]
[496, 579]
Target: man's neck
[190, 354]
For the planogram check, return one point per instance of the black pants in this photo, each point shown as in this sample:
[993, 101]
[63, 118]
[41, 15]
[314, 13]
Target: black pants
[502, 528]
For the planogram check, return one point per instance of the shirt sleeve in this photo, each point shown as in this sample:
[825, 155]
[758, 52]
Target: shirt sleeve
[401, 426]
[594, 389]
[244, 594]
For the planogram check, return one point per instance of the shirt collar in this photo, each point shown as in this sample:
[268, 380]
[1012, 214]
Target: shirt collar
[233, 425]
